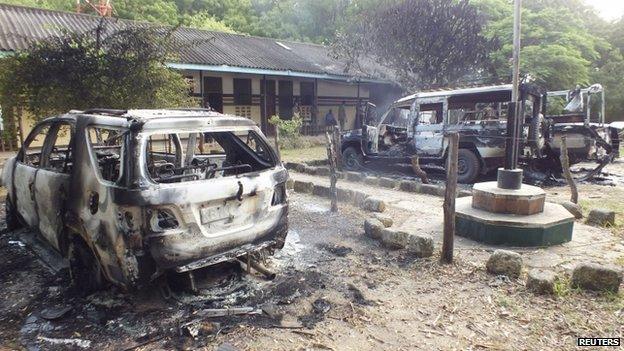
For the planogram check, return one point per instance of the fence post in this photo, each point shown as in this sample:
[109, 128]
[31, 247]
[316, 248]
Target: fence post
[449, 198]
[277, 138]
[331, 158]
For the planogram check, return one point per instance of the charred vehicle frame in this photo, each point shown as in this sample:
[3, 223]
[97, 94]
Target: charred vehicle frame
[136, 194]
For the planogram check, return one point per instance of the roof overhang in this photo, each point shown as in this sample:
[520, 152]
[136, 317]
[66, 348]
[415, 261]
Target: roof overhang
[270, 72]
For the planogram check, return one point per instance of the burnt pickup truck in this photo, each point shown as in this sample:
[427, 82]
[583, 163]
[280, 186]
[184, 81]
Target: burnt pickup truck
[127, 196]
[417, 125]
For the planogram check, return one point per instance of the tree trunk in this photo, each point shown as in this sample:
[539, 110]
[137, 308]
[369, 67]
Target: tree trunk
[331, 158]
[565, 166]
[449, 199]
[418, 171]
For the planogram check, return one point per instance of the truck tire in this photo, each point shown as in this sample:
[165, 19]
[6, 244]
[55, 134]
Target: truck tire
[12, 217]
[537, 133]
[352, 159]
[84, 268]
[468, 166]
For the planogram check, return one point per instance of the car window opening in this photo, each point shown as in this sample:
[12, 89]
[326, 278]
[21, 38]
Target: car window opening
[181, 157]
[106, 144]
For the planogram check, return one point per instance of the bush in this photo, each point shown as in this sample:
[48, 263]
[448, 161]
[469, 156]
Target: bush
[289, 131]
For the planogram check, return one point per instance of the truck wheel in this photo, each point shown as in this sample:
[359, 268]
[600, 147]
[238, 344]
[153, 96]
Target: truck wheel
[352, 159]
[12, 218]
[468, 166]
[84, 268]
[537, 133]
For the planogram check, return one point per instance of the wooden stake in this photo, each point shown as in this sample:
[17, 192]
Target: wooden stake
[449, 199]
[277, 138]
[337, 144]
[331, 158]
[565, 166]
[418, 171]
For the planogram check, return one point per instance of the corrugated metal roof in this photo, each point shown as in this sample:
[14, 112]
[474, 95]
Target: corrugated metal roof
[21, 26]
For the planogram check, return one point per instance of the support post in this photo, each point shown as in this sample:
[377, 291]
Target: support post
[331, 158]
[337, 143]
[20, 123]
[449, 198]
[565, 166]
[277, 141]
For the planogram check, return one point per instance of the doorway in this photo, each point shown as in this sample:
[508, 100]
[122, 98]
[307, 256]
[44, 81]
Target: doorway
[213, 93]
[268, 104]
[285, 99]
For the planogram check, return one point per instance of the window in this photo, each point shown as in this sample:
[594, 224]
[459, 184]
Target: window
[107, 146]
[398, 117]
[180, 157]
[61, 158]
[307, 93]
[34, 145]
[242, 91]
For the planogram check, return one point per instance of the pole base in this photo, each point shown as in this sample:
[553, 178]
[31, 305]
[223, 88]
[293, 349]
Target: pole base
[509, 178]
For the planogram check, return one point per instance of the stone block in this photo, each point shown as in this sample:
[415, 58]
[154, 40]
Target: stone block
[321, 190]
[541, 281]
[505, 262]
[420, 245]
[290, 183]
[597, 277]
[345, 195]
[323, 171]
[387, 182]
[385, 219]
[430, 189]
[601, 217]
[303, 187]
[409, 186]
[309, 170]
[373, 228]
[354, 176]
[374, 204]
[370, 180]
[394, 239]
[359, 198]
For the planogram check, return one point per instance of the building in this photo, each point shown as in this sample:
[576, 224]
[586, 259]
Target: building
[244, 75]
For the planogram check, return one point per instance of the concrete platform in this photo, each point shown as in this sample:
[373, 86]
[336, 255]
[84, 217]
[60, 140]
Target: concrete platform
[527, 200]
[551, 227]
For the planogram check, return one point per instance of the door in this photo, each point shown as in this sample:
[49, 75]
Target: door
[285, 99]
[26, 168]
[52, 182]
[268, 105]
[429, 130]
[213, 93]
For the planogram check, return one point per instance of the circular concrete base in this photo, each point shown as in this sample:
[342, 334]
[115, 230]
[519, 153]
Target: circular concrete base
[551, 227]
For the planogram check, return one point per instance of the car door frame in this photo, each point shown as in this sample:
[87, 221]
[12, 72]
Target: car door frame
[429, 139]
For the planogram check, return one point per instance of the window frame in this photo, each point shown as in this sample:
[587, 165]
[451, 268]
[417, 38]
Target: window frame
[21, 158]
[93, 158]
[52, 137]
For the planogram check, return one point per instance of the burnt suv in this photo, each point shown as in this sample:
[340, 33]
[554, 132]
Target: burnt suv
[130, 195]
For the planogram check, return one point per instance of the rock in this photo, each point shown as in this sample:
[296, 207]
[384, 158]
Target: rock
[387, 183]
[420, 245]
[593, 276]
[601, 217]
[430, 189]
[291, 165]
[321, 190]
[573, 208]
[505, 262]
[303, 187]
[300, 167]
[359, 198]
[345, 195]
[354, 176]
[290, 183]
[409, 186]
[371, 181]
[394, 239]
[541, 281]
[373, 228]
[323, 171]
[464, 193]
[309, 170]
[385, 219]
[374, 204]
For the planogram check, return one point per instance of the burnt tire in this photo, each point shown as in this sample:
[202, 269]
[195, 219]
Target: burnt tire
[84, 268]
[468, 166]
[537, 133]
[11, 215]
[352, 159]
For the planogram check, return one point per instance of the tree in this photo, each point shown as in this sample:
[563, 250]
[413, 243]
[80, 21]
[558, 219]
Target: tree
[123, 69]
[427, 42]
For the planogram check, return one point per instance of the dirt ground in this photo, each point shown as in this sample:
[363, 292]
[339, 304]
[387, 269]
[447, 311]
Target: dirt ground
[335, 289]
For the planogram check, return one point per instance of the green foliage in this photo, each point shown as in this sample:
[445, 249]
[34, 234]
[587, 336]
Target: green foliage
[289, 131]
[76, 71]
[204, 20]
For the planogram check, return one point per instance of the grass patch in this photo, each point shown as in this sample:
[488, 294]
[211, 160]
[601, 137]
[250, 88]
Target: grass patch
[562, 287]
[304, 155]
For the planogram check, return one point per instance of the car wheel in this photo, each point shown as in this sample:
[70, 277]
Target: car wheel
[352, 159]
[468, 166]
[537, 133]
[84, 268]
[12, 218]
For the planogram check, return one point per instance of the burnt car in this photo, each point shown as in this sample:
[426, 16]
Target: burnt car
[579, 114]
[417, 125]
[127, 196]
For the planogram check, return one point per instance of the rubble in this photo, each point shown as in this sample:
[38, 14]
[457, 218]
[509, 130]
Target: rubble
[541, 281]
[374, 204]
[601, 217]
[505, 262]
[373, 228]
[597, 277]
